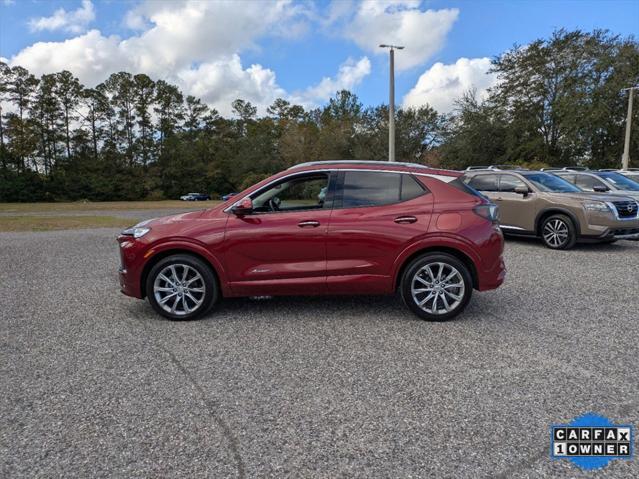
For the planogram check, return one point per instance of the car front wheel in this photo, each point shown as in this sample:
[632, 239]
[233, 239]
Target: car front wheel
[558, 232]
[436, 286]
[181, 287]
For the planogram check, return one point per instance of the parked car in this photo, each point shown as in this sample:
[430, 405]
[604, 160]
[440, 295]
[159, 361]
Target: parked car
[195, 197]
[227, 196]
[632, 173]
[535, 203]
[609, 182]
[323, 228]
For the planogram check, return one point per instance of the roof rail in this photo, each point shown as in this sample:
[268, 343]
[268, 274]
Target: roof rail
[508, 167]
[567, 168]
[496, 167]
[358, 162]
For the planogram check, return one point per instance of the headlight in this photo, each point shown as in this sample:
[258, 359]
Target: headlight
[136, 231]
[596, 206]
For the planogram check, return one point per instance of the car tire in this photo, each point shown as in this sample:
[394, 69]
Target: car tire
[426, 286]
[182, 287]
[558, 232]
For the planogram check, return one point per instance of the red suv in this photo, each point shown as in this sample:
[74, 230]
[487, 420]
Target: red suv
[323, 228]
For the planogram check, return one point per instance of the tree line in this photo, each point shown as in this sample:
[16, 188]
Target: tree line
[558, 101]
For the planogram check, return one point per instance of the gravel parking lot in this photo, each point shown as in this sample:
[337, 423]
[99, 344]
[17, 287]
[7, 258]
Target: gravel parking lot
[95, 384]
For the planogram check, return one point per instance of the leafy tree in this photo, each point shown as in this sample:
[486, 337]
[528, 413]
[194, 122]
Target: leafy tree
[67, 90]
[558, 101]
[143, 96]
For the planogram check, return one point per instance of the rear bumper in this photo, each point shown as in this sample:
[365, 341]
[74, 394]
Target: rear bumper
[492, 279]
[493, 268]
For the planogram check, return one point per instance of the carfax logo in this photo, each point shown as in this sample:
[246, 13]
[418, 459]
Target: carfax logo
[591, 441]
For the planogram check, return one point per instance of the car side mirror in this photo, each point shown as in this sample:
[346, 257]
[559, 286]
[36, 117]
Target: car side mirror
[522, 190]
[243, 207]
[600, 188]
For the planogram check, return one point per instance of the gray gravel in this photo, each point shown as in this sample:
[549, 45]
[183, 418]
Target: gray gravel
[95, 384]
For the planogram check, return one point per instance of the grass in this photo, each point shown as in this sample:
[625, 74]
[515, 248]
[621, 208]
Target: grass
[49, 223]
[104, 206]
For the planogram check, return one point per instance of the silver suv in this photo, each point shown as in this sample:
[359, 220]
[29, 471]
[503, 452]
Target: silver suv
[609, 182]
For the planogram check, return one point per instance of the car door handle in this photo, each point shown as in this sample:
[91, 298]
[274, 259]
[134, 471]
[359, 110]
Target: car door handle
[402, 220]
[312, 223]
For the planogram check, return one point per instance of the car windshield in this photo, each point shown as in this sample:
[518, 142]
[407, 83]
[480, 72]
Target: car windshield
[619, 181]
[550, 183]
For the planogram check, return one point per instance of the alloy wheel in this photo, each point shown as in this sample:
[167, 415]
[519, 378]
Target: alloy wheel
[438, 288]
[179, 289]
[555, 233]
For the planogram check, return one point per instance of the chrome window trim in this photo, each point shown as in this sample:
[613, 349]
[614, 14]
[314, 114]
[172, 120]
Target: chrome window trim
[444, 178]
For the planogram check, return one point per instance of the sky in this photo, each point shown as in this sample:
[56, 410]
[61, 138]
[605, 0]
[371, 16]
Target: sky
[300, 50]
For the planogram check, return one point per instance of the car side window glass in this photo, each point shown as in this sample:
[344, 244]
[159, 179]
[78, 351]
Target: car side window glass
[508, 183]
[368, 188]
[588, 183]
[410, 188]
[484, 182]
[298, 193]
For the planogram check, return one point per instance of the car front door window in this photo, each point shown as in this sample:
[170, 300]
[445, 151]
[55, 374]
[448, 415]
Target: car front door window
[295, 194]
[588, 183]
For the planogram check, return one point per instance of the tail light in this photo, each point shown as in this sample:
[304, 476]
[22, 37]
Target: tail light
[487, 211]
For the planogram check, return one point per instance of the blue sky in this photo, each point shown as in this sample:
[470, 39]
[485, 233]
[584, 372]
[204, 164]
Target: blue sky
[298, 50]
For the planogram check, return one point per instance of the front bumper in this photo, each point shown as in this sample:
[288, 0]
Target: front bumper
[604, 226]
[131, 265]
[631, 234]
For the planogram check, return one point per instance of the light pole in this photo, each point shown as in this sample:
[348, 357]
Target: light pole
[625, 159]
[391, 101]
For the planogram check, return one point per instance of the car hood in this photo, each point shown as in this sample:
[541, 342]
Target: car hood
[587, 195]
[172, 219]
[628, 194]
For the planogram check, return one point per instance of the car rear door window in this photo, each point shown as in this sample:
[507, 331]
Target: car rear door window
[508, 183]
[410, 188]
[368, 188]
[371, 188]
[484, 182]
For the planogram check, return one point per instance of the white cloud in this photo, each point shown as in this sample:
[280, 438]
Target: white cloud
[221, 82]
[196, 45]
[401, 22]
[350, 74]
[441, 85]
[75, 21]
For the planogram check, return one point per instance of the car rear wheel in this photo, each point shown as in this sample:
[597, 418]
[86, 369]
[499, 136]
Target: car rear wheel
[436, 286]
[181, 287]
[558, 232]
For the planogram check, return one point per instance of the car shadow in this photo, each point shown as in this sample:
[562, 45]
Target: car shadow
[618, 246]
